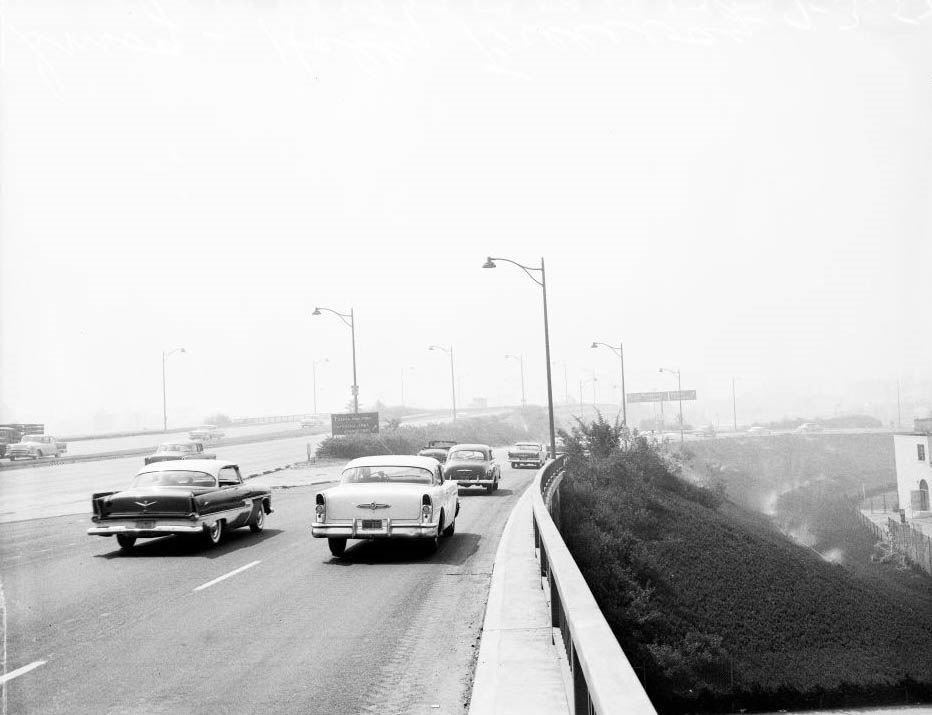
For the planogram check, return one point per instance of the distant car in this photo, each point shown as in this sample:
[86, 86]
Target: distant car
[705, 432]
[308, 422]
[206, 433]
[527, 453]
[197, 497]
[190, 449]
[758, 431]
[387, 497]
[34, 446]
[808, 428]
[438, 449]
[472, 465]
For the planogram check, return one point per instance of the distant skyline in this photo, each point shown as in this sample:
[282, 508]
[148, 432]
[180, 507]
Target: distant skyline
[744, 195]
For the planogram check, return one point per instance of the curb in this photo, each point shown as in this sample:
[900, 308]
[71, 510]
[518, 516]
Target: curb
[518, 670]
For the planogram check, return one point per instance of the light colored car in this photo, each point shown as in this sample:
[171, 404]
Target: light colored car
[34, 446]
[533, 454]
[168, 451]
[704, 432]
[206, 433]
[808, 428]
[387, 497]
[758, 431]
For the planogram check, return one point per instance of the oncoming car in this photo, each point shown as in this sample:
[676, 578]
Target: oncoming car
[387, 497]
[168, 451]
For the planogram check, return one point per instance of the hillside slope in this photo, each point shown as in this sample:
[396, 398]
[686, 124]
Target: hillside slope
[719, 610]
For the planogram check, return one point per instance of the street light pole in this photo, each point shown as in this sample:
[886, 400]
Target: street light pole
[452, 374]
[679, 389]
[490, 263]
[523, 395]
[620, 352]
[352, 326]
[165, 356]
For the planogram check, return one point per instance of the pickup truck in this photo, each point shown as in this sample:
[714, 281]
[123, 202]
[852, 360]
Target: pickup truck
[33, 446]
[530, 453]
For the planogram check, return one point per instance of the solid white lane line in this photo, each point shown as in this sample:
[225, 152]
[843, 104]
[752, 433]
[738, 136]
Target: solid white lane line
[226, 576]
[21, 671]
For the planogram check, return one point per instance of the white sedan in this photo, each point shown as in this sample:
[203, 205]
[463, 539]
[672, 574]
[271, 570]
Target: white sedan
[387, 497]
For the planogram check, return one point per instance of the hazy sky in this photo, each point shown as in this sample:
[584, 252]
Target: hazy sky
[734, 189]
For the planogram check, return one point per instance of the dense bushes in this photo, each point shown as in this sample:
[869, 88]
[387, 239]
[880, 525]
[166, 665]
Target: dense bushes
[716, 609]
[494, 431]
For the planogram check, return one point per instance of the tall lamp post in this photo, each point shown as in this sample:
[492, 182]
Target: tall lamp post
[523, 396]
[679, 389]
[165, 356]
[490, 263]
[449, 350]
[314, 365]
[620, 352]
[349, 320]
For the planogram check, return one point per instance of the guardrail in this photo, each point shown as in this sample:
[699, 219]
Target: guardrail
[603, 681]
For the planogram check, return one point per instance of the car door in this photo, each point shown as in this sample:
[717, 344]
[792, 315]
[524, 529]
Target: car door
[233, 495]
[449, 489]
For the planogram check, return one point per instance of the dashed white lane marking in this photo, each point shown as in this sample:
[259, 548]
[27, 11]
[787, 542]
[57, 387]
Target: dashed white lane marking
[20, 671]
[226, 576]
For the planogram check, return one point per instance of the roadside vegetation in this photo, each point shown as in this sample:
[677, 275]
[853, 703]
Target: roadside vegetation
[402, 439]
[716, 609]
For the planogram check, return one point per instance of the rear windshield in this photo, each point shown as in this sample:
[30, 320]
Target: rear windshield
[528, 445]
[467, 455]
[174, 478]
[183, 447]
[409, 475]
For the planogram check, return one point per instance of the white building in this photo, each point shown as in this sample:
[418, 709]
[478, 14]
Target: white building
[913, 452]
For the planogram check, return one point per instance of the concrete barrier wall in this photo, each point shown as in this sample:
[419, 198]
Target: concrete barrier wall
[602, 680]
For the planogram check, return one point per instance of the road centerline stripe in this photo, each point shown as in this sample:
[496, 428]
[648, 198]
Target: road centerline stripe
[21, 671]
[226, 576]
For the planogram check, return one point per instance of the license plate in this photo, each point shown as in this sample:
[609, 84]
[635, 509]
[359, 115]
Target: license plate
[145, 524]
[371, 523]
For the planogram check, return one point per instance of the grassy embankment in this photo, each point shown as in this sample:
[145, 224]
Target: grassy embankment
[715, 607]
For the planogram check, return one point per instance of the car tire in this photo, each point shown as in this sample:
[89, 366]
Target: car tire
[450, 530]
[433, 543]
[337, 546]
[495, 486]
[490, 488]
[125, 541]
[257, 523]
[213, 534]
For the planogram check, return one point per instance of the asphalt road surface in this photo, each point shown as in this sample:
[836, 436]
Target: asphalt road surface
[262, 623]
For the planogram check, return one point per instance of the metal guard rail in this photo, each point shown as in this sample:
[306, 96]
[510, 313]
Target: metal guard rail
[604, 682]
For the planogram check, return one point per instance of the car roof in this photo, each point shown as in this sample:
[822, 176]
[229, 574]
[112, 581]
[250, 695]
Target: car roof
[470, 446]
[394, 460]
[536, 444]
[208, 466]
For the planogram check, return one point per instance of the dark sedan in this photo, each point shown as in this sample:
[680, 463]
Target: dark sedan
[196, 497]
[472, 465]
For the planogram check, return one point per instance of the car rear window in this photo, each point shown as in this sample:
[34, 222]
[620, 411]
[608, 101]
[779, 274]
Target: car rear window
[374, 474]
[467, 455]
[174, 478]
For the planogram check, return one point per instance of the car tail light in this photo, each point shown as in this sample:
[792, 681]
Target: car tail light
[427, 509]
[321, 509]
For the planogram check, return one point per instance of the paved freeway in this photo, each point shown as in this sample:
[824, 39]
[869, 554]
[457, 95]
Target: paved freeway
[262, 623]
